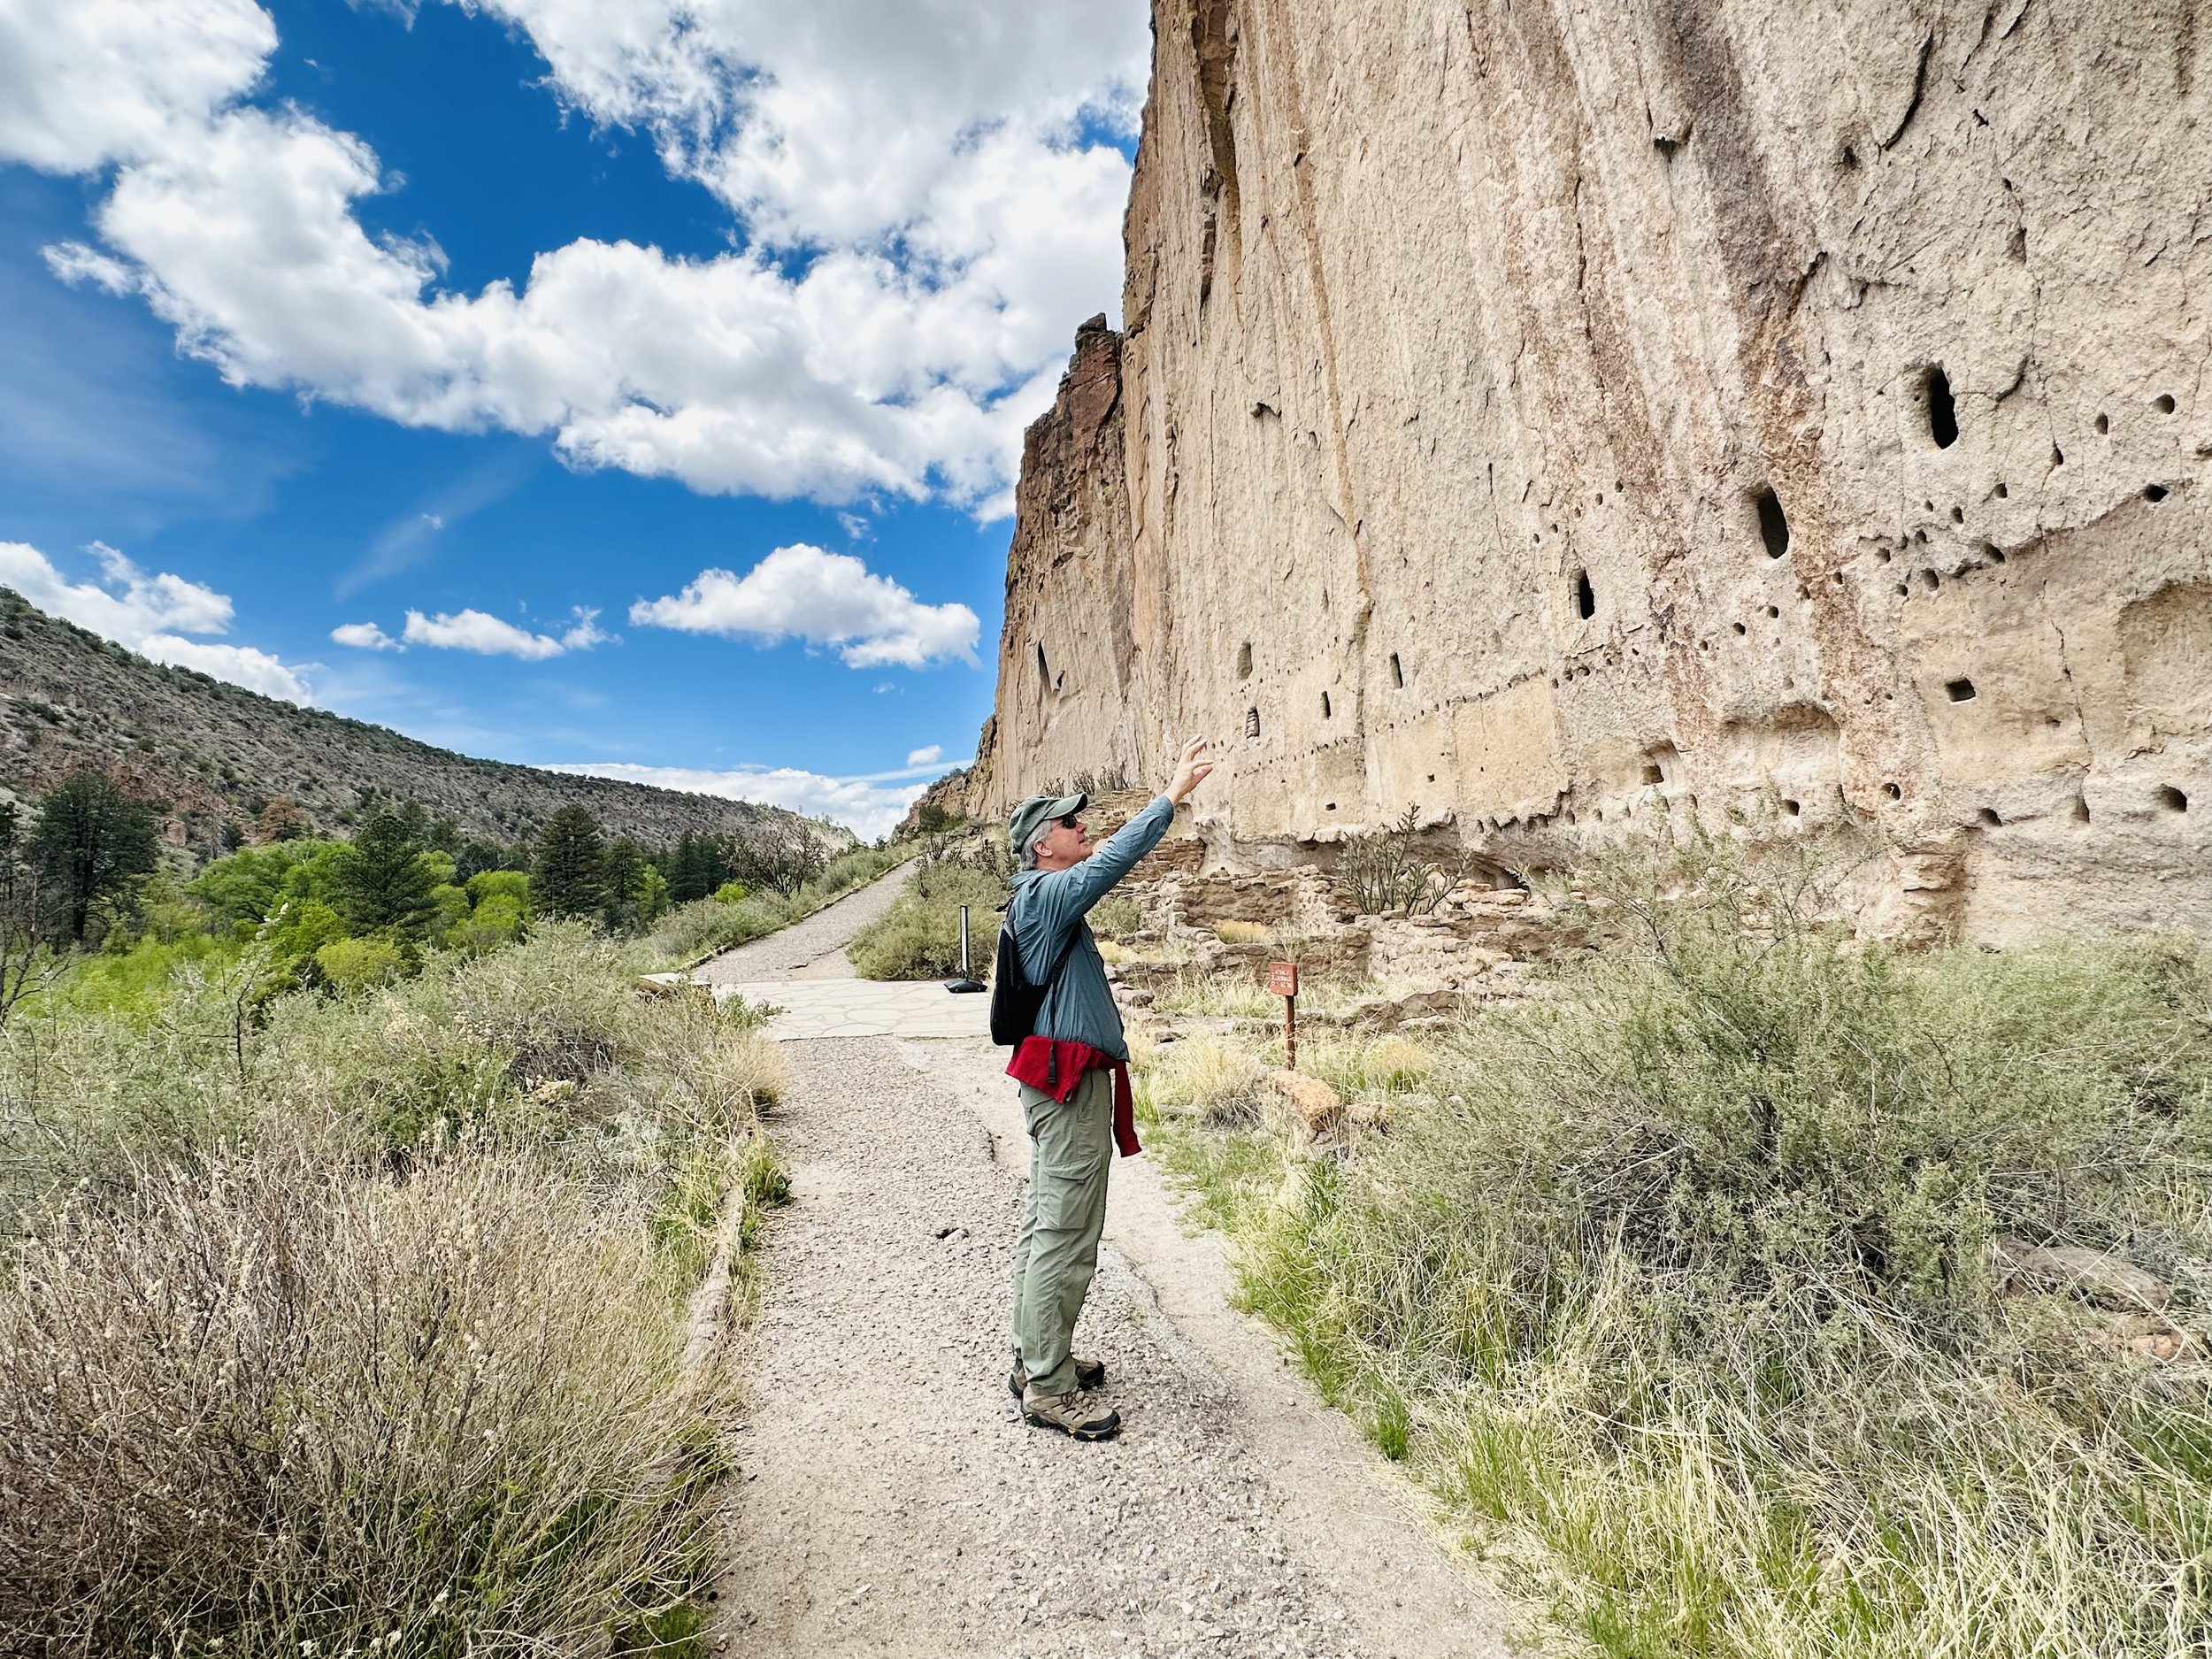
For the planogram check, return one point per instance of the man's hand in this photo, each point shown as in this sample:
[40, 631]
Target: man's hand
[1191, 767]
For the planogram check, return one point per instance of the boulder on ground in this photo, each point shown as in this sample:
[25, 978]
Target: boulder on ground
[2105, 1280]
[1312, 1109]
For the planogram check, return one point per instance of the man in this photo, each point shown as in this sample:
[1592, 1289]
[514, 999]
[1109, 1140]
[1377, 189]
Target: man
[1074, 1077]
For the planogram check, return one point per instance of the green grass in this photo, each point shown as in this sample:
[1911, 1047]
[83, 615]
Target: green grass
[1677, 1285]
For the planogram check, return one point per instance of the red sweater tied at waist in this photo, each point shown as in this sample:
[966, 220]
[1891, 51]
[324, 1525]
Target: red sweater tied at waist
[1056, 1068]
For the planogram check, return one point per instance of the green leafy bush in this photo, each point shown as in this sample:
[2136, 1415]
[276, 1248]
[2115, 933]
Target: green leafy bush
[353, 966]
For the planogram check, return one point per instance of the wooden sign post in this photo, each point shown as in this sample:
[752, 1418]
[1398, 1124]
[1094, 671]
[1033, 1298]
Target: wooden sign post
[1282, 979]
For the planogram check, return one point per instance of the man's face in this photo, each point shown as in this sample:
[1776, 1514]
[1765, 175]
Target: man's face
[1066, 841]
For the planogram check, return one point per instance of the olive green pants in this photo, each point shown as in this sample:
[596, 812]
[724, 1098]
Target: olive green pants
[1070, 1148]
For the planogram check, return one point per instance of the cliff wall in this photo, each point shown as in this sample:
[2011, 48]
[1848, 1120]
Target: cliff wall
[1554, 414]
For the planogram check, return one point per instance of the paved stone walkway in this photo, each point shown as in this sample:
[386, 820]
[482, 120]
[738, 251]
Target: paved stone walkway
[864, 1008]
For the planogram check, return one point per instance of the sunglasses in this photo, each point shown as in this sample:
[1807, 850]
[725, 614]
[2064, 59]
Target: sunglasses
[1070, 822]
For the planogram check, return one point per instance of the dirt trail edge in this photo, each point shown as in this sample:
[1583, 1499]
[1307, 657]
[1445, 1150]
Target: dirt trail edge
[891, 1501]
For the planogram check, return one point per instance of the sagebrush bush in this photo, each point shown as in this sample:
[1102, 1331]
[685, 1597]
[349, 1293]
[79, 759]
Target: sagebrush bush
[919, 937]
[1685, 1271]
[334, 1315]
[281, 1408]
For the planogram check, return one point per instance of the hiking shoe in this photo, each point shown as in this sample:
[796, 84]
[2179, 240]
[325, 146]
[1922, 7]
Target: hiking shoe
[1071, 1414]
[1089, 1374]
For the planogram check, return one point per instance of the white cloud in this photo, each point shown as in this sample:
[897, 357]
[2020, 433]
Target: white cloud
[928, 756]
[90, 81]
[487, 635]
[917, 162]
[869, 807]
[149, 614]
[364, 636]
[824, 598]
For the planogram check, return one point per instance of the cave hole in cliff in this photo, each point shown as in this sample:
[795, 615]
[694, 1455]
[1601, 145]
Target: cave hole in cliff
[1326, 710]
[1652, 774]
[1959, 690]
[1791, 807]
[1586, 596]
[1397, 673]
[2058, 456]
[2003, 489]
[2081, 810]
[2154, 492]
[1892, 792]
[2102, 423]
[1774, 524]
[2172, 798]
[1958, 515]
[1989, 818]
[1943, 414]
[1244, 660]
[1849, 159]
[1931, 580]
[2163, 402]
[1994, 554]
[1044, 671]
[1739, 627]
[1251, 723]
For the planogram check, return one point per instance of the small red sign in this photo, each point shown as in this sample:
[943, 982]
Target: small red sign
[1282, 978]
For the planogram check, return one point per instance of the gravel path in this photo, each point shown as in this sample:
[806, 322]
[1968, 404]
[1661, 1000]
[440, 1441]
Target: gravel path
[813, 949]
[891, 1501]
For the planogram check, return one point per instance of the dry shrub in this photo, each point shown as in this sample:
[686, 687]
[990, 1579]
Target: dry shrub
[1230, 931]
[298, 1409]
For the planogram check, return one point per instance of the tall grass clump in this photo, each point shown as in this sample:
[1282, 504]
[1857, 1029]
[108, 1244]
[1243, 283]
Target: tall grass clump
[919, 937]
[1690, 1275]
[332, 1317]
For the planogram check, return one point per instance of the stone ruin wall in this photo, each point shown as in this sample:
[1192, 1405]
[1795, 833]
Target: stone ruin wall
[1554, 415]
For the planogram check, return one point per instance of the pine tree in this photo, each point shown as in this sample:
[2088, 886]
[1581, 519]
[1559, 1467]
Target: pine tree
[92, 839]
[568, 873]
[381, 881]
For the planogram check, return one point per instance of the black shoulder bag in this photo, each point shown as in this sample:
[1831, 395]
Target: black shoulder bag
[1015, 1002]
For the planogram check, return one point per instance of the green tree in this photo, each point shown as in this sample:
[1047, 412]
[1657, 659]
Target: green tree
[91, 844]
[568, 873]
[384, 882]
[700, 865]
[621, 863]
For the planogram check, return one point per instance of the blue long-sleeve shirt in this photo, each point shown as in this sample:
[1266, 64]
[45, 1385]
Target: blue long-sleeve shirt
[1046, 903]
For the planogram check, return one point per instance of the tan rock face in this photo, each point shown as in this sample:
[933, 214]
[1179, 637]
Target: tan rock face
[1549, 414]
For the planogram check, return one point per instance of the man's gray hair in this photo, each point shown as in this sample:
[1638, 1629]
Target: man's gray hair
[1026, 856]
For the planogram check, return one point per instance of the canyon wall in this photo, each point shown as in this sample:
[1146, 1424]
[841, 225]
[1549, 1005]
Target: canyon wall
[1579, 416]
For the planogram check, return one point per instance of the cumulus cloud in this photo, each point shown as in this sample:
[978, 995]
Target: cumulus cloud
[928, 756]
[802, 592]
[149, 614]
[870, 807]
[487, 635]
[364, 636]
[92, 81]
[924, 222]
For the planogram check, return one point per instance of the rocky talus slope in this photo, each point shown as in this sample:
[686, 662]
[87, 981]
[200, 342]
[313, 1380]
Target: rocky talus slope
[211, 754]
[1558, 415]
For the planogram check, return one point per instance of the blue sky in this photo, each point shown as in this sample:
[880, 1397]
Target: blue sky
[635, 384]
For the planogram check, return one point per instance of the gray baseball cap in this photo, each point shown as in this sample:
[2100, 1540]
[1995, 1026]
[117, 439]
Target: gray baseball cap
[1027, 821]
